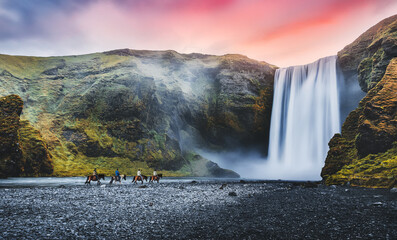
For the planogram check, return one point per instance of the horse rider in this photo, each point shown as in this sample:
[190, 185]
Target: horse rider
[155, 173]
[139, 174]
[95, 174]
[117, 173]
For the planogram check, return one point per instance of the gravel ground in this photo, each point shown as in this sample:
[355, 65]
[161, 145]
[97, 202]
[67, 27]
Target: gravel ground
[185, 210]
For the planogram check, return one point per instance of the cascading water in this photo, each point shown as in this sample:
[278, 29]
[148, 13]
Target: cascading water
[309, 104]
[305, 116]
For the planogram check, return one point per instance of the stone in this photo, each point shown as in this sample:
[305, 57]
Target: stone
[377, 203]
[232, 194]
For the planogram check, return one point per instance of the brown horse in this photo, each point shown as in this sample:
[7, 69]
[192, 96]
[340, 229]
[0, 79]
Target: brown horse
[156, 178]
[135, 179]
[93, 178]
[118, 179]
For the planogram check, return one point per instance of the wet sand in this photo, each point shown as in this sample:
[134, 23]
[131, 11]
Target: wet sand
[185, 210]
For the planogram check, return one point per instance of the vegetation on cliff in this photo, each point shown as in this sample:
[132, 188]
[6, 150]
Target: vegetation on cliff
[23, 152]
[365, 154]
[131, 109]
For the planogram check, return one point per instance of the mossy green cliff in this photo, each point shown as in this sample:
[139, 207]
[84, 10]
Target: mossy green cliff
[365, 154]
[141, 109]
[23, 152]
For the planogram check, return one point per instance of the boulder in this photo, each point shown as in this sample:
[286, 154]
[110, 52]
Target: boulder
[232, 194]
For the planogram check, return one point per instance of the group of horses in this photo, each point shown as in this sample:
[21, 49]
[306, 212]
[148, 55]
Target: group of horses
[135, 179]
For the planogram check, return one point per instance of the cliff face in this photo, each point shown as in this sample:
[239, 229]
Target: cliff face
[141, 109]
[10, 151]
[365, 154]
[368, 56]
[22, 150]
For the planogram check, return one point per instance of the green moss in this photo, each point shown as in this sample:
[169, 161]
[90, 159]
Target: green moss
[262, 110]
[37, 159]
[375, 170]
[91, 142]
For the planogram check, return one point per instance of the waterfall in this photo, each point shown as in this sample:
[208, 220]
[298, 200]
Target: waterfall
[305, 116]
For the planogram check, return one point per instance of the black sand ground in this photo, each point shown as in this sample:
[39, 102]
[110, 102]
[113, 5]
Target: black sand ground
[198, 211]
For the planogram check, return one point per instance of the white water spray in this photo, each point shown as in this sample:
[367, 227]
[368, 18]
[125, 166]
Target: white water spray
[305, 116]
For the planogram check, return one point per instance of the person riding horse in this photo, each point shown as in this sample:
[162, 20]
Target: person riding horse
[155, 177]
[139, 177]
[115, 179]
[93, 177]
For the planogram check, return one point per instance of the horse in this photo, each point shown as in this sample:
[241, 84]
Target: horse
[93, 178]
[135, 179]
[156, 178]
[123, 176]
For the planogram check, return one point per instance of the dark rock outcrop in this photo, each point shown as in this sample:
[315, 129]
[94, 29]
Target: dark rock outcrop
[200, 166]
[10, 150]
[23, 152]
[368, 56]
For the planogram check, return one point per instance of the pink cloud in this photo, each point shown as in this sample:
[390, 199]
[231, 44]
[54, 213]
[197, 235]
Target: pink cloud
[283, 32]
[323, 16]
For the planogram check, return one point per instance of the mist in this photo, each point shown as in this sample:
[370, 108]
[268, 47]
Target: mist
[251, 164]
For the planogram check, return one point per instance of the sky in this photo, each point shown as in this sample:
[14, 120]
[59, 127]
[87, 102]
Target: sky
[280, 32]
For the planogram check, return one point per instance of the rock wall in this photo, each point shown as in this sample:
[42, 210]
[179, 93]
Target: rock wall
[23, 152]
[365, 154]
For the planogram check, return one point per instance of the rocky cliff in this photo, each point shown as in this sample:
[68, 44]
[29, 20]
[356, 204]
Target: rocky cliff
[141, 109]
[365, 153]
[368, 56]
[23, 152]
